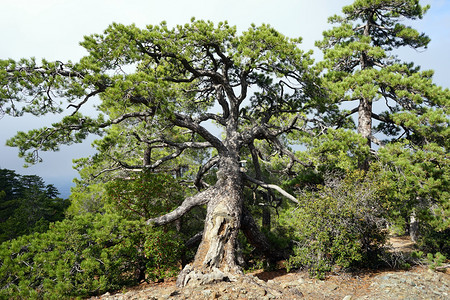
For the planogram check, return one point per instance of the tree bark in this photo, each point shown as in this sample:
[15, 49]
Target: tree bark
[365, 104]
[215, 259]
[365, 119]
[414, 227]
[365, 126]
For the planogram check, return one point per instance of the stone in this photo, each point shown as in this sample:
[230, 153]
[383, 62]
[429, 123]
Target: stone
[288, 284]
[333, 287]
[296, 292]
[262, 292]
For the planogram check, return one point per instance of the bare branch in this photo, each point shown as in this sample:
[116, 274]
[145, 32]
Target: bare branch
[343, 117]
[382, 118]
[203, 169]
[88, 96]
[163, 142]
[187, 122]
[221, 99]
[105, 171]
[188, 204]
[209, 116]
[273, 187]
[155, 165]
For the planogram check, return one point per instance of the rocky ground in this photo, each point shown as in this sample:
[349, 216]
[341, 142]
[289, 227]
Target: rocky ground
[416, 283]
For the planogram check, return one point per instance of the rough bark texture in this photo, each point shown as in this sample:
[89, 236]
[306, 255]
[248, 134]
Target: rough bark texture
[365, 119]
[414, 227]
[365, 104]
[215, 259]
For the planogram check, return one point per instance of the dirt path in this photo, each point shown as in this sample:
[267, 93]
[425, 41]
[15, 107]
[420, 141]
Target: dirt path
[402, 243]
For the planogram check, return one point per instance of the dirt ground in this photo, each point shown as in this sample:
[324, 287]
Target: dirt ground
[417, 283]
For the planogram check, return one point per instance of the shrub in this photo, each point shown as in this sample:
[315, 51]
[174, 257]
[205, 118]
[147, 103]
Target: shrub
[145, 195]
[436, 260]
[433, 241]
[88, 255]
[338, 224]
[163, 251]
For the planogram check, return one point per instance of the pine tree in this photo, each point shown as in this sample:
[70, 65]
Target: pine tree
[395, 99]
[361, 65]
[158, 88]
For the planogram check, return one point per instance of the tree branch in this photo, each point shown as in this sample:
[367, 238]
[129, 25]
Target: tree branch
[256, 238]
[88, 96]
[382, 118]
[343, 117]
[155, 165]
[273, 187]
[203, 169]
[188, 204]
[209, 116]
[163, 142]
[187, 122]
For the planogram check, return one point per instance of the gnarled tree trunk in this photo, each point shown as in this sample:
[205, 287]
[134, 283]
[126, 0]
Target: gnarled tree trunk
[216, 255]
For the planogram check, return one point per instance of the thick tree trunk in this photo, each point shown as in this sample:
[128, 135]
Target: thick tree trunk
[414, 227]
[365, 125]
[216, 255]
[365, 103]
[365, 119]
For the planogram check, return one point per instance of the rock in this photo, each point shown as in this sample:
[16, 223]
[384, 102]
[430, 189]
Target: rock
[333, 287]
[288, 284]
[348, 297]
[300, 281]
[296, 291]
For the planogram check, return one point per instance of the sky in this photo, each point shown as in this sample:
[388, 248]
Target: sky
[52, 29]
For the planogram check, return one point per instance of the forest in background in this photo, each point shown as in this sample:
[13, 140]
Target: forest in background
[316, 163]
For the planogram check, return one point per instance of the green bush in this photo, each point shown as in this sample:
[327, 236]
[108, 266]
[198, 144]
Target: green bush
[338, 224]
[432, 241]
[436, 260]
[88, 255]
[146, 195]
[164, 251]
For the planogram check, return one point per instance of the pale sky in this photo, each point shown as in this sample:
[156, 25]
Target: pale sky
[53, 28]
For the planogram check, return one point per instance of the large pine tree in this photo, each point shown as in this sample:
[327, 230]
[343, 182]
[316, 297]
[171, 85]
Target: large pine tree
[361, 66]
[158, 87]
[399, 108]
